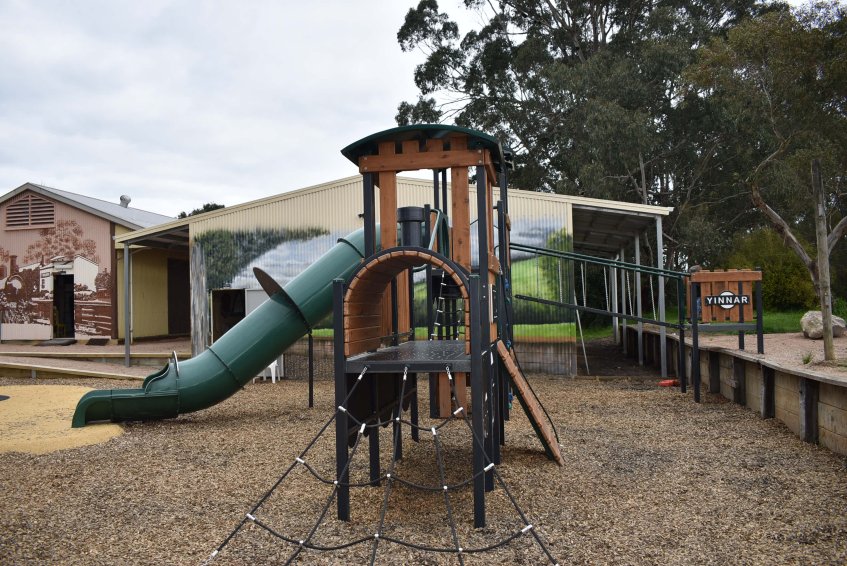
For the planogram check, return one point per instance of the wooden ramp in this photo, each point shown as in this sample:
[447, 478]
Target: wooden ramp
[531, 406]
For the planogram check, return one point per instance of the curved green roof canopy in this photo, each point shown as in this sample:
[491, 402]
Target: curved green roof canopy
[423, 132]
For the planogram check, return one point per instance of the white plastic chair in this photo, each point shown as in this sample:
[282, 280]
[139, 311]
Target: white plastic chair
[274, 369]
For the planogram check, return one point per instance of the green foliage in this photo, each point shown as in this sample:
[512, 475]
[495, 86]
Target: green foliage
[227, 253]
[786, 283]
[589, 97]
[208, 207]
[774, 89]
[839, 307]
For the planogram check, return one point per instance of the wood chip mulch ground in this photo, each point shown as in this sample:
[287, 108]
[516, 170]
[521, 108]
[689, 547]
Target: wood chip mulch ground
[650, 477]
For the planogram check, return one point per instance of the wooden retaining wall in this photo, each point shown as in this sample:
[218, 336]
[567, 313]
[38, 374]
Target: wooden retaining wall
[812, 405]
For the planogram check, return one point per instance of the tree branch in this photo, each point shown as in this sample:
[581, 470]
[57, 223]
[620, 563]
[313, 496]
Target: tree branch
[836, 234]
[782, 228]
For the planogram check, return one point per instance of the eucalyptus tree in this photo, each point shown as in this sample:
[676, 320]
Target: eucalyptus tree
[588, 96]
[777, 86]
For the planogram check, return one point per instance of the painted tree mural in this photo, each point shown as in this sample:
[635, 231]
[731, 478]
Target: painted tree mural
[66, 239]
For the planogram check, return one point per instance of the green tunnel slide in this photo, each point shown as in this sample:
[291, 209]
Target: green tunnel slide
[237, 356]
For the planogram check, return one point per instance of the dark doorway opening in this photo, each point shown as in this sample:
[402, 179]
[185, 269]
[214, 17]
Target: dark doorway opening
[228, 309]
[179, 298]
[63, 306]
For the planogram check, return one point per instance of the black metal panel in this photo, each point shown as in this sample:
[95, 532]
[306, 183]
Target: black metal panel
[418, 356]
[369, 214]
[341, 455]
[695, 344]
[477, 407]
[311, 370]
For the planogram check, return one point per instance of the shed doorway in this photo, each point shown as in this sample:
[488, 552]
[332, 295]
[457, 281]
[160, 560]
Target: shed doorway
[179, 298]
[63, 305]
[228, 309]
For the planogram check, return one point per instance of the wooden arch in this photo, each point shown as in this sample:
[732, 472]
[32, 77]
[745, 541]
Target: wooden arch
[364, 299]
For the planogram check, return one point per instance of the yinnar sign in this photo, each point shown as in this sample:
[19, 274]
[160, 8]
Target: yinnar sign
[727, 300]
[724, 296]
[722, 301]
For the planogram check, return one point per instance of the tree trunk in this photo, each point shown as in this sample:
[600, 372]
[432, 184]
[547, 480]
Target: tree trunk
[825, 294]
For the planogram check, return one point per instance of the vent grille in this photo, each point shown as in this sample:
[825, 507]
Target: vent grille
[30, 211]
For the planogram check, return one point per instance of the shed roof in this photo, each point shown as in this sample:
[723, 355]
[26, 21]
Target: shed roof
[133, 218]
[600, 227]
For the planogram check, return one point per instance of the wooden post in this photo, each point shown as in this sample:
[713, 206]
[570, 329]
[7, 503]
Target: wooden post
[823, 261]
[767, 392]
[809, 395]
[714, 372]
[739, 376]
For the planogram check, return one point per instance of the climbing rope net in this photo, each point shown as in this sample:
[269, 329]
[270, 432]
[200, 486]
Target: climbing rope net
[378, 535]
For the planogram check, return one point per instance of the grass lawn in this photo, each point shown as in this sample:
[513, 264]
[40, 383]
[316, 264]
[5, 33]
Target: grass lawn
[776, 322]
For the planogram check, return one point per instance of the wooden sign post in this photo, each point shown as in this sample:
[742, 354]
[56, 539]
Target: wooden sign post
[721, 301]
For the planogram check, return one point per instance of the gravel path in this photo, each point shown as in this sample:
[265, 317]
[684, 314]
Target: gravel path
[650, 478]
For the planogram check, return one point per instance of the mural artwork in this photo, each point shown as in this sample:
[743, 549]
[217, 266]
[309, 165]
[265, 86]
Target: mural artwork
[56, 288]
[230, 256]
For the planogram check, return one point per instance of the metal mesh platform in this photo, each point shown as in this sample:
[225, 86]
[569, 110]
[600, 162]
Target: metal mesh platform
[418, 356]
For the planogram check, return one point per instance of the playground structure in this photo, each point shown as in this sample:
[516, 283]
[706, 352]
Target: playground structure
[378, 359]
[369, 280]
[469, 335]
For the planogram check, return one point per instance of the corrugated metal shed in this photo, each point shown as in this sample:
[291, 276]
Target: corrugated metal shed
[600, 227]
[333, 209]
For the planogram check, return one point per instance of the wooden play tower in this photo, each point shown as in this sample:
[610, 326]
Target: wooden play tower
[452, 252]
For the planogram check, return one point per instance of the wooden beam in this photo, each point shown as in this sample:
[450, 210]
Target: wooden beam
[360, 309]
[425, 160]
[726, 276]
[460, 214]
[359, 346]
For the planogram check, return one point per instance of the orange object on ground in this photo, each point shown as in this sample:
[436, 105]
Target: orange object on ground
[668, 383]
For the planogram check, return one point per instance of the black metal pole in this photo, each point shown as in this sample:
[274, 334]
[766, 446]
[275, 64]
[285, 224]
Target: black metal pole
[430, 319]
[760, 321]
[680, 307]
[444, 204]
[370, 383]
[397, 428]
[504, 197]
[311, 370]
[341, 455]
[740, 317]
[435, 195]
[414, 409]
[395, 331]
[477, 393]
[369, 214]
[695, 345]
[483, 218]
[504, 329]
[411, 275]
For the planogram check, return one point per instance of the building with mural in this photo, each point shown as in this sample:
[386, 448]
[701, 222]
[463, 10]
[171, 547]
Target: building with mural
[58, 262]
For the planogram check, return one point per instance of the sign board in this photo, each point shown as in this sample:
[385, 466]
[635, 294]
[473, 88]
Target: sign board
[727, 300]
[725, 296]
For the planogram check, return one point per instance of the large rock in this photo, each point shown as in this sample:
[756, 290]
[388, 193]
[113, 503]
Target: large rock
[812, 325]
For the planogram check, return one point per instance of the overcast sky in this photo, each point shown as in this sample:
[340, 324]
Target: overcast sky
[178, 103]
